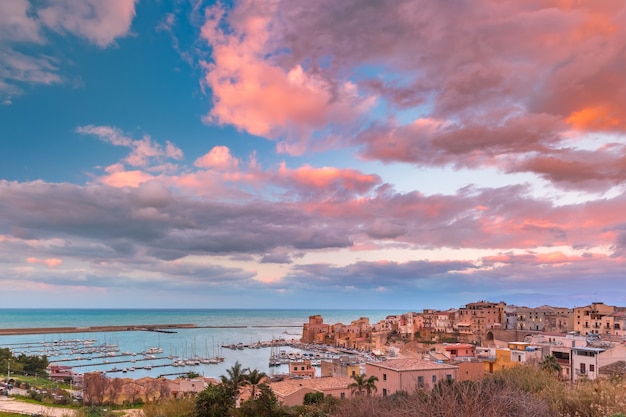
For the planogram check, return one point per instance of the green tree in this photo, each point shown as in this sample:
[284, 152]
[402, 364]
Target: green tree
[232, 383]
[33, 364]
[254, 379]
[214, 401]
[313, 398]
[550, 364]
[265, 405]
[363, 383]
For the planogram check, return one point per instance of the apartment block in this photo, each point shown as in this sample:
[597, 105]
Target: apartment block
[589, 319]
[481, 317]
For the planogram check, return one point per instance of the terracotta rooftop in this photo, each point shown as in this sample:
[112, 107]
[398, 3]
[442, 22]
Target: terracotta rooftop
[289, 386]
[411, 364]
[615, 368]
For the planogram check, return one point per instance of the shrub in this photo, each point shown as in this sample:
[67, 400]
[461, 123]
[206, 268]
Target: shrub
[173, 407]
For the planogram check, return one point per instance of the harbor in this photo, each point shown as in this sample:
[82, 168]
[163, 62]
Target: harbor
[113, 358]
[192, 336]
[110, 357]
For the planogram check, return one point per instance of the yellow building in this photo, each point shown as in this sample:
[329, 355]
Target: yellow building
[588, 319]
[516, 354]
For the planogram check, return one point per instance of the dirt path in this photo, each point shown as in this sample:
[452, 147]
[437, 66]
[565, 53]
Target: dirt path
[12, 406]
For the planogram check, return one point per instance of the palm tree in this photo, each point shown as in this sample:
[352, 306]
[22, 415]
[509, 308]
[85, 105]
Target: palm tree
[234, 381]
[363, 383]
[255, 378]
[550, 364]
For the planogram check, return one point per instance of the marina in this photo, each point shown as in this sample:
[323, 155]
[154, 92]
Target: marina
[89, 355]
[209, 347]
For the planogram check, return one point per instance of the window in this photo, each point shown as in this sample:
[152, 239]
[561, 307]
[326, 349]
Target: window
[582, 368]
[384, 392]
[592, 368]
[384, 377]
[449, 377]
[420, 381]
[343, 395]
[434, 379]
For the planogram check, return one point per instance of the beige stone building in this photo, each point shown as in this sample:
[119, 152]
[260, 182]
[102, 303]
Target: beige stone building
[409, 374]
[340, 367]
[615, 324]
[480, 317]
[315, 330]
[588, 319]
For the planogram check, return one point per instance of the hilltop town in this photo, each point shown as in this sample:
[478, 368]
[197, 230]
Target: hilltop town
[481, 323]
[412, 351]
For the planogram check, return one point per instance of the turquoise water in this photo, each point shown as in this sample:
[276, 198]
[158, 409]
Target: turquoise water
[259, 325]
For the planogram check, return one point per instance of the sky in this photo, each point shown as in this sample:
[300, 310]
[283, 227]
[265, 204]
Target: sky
[401, 154]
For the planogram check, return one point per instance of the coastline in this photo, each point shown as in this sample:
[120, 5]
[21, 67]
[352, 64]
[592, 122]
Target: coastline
[95, 329]
[163, 328]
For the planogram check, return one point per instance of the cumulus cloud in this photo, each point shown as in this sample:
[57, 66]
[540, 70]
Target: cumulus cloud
[133, 228]
[98, 22]
[146, 159]
[26, 23]
[16, 24]
[218, 158]
[254, 92]
[489, 84]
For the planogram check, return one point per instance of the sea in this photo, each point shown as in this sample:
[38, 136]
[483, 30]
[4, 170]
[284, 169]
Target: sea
[216, 329]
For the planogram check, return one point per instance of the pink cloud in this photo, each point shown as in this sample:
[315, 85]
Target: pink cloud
[218, 158]
[100, 22]
[118, 177]
[50, 262]
[592, 170]
[143, 151]
[107, 134]
[496, 84]
[253, 92]
[219, 170]
[16, 24]
[329, 178]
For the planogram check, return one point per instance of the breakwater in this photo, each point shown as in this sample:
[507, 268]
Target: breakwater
[162, 328]
[95, 329]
